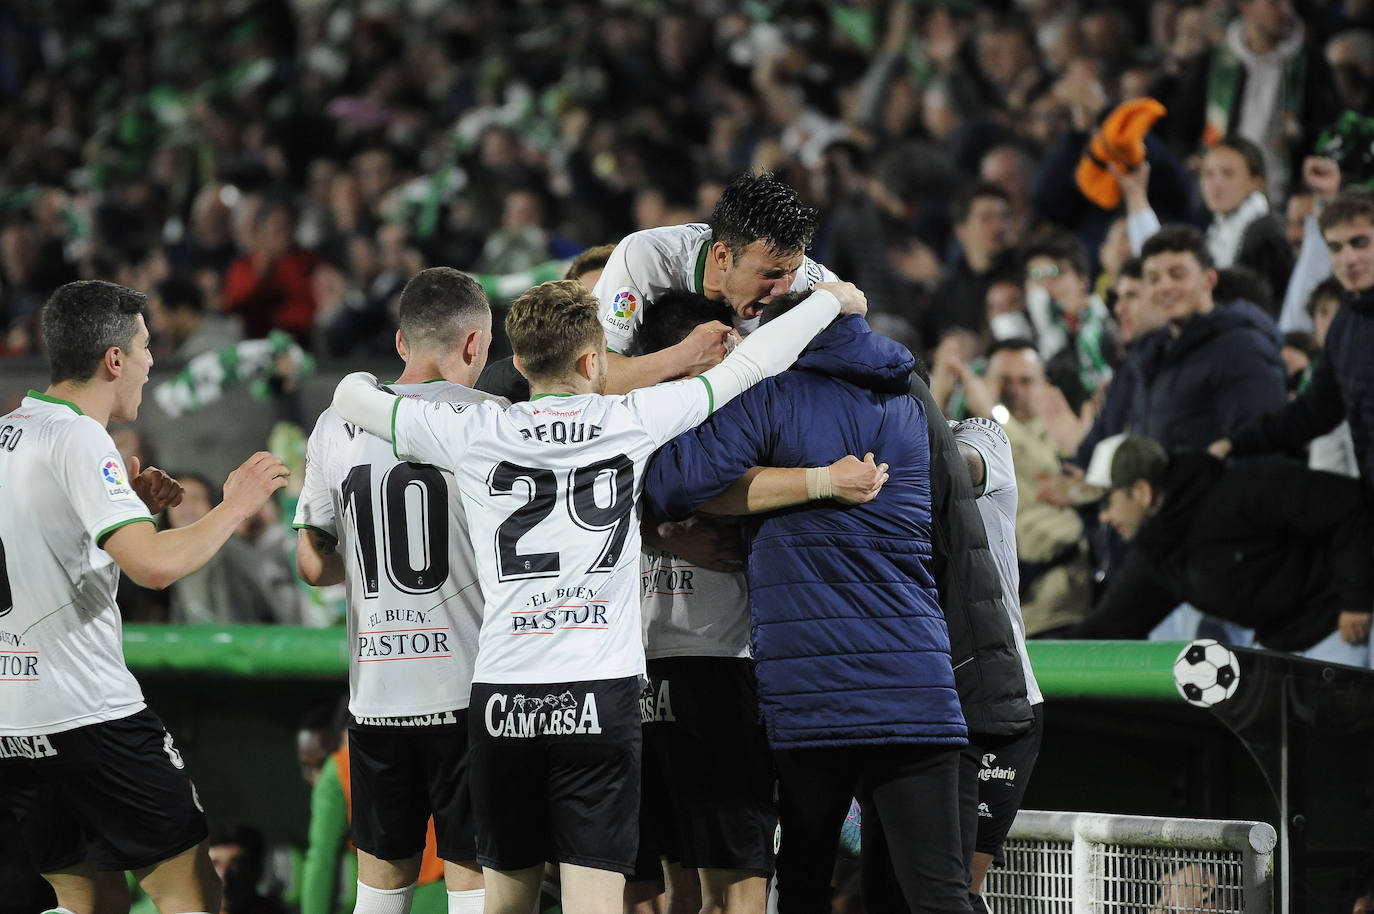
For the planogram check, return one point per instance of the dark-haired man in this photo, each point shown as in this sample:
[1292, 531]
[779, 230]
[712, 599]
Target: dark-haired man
[550, 488]
[753, 249]
[1214, 366]
[88, 770]
[981, 216]
[1344, 376]
[412, 594]
[182, 326]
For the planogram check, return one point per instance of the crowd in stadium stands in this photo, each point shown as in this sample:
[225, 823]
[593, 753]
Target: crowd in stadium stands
[1070, 261]
[275, 166]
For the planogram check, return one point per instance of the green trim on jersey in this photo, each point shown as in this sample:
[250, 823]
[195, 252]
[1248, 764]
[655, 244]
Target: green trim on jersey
[394, 408]
[57, 400]
[321, 532]
[100, 537]
[699, 277]
[430, 381]
[540, 396]
[710, 395]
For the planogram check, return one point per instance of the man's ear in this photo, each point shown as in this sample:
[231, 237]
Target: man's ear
[401, 349]
[113, 361]
[587, 363]
[519, 366]
[1210, 277]
[720, 253]
[472, 346]
[1143, 492]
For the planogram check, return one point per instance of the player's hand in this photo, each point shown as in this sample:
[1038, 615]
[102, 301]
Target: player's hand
[705, 346]
[705, 543]
[1354, 627]
[852, 300]
[249, 487]
[854, 481]
[1323, 175]
[1220, 449]
[157, 490]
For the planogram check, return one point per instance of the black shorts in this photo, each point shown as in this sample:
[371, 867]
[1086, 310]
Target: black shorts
[1005, 765]
[703, 733]
[400, 776]
[555, 773]
[114, 794]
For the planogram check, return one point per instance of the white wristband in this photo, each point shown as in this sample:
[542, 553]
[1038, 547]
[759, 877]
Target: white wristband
[817, 483]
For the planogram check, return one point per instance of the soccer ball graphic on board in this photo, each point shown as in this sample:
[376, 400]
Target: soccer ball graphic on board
[1206, 672]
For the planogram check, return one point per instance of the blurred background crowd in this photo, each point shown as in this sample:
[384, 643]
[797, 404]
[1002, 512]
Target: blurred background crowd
[276, 170]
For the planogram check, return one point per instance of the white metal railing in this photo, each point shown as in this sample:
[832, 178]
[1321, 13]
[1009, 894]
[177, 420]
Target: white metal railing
[1093, 863]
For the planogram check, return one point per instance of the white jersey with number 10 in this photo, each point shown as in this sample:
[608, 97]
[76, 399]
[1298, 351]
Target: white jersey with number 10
[550, 487]
[414, 606]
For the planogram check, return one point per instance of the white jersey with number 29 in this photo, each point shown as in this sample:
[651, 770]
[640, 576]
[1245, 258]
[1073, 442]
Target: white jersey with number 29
[414, 606]
[551, 488]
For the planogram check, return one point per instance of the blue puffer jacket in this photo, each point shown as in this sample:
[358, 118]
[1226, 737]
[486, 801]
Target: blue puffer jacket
[849, 640]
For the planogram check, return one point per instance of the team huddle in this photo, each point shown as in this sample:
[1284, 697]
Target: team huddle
[557, 651]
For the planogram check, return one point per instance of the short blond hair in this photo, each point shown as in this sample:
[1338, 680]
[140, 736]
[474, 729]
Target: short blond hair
[551, 325]
[591, 259]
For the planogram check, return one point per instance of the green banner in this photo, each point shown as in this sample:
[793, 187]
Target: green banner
[1064, 669]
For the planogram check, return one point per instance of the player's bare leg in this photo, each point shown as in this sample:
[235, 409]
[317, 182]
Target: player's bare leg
[388, 874]
[517, 891]
[683, 887]
[643, 898]
[587, 890]
[82, 889]
[465, 887]
[186, 882]
[733, 892]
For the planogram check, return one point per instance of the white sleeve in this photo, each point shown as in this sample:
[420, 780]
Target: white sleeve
[667, 410]
[770, 349]
[1314, 265]
[991, 442]
[93, 474]
[359, 400]
[620, 298]
[437, 432]
[316, 505]
[1140, 225]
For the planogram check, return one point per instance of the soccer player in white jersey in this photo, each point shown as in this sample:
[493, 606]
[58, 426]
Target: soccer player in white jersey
[752, 250]
[551, 488]
[395, 531]
[1003, 764]
[87, 769]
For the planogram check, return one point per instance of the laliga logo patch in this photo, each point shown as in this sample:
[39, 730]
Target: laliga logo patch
[112, 473]
[624, 304]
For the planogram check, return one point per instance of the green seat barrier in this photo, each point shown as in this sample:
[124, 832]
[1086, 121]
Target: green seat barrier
[1065, 669]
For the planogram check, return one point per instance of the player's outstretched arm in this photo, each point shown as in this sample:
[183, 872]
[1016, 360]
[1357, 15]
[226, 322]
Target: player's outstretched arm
[849, 480]
[155, 559]
[362, 401]
[773, 347]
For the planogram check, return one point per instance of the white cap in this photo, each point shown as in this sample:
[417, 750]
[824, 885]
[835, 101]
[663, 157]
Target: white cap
[1100, 467]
